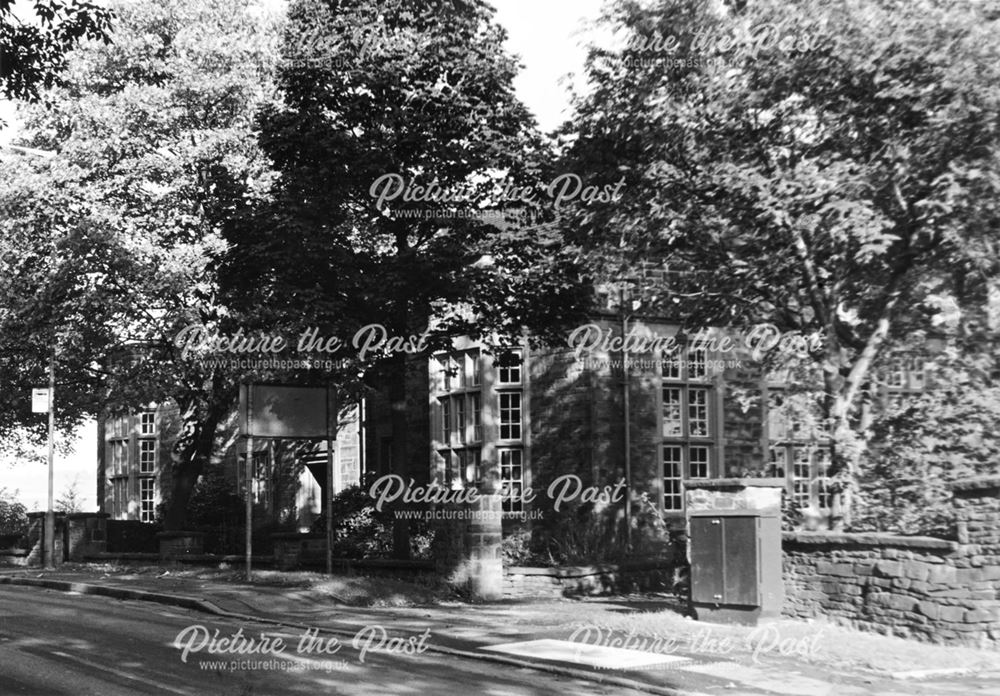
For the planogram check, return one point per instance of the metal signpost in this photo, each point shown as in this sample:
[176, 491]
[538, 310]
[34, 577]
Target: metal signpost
[43, 401]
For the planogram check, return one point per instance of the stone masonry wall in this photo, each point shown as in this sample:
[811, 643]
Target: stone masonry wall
[916, 587]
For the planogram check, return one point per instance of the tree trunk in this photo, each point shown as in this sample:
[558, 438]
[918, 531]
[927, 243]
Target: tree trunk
[189, 461]
[400, 450]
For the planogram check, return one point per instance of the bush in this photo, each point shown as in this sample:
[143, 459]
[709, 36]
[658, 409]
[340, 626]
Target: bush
[217, 510]
[13, 515]
[587, 533]
[361, 531]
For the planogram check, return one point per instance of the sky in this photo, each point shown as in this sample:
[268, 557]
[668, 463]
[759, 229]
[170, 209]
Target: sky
[546, 34]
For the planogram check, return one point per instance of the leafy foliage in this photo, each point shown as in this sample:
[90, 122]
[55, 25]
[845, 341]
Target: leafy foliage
[13, 514]
[71, 498]
[361, 531]
[33, 53]
[839, 181]
[924, 442]
[108, 247]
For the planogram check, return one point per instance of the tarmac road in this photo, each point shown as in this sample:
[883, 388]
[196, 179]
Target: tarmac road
[55, 644]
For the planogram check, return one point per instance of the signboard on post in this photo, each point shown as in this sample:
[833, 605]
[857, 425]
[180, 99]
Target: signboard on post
[283, 411]
[40, 400]
[270, 410]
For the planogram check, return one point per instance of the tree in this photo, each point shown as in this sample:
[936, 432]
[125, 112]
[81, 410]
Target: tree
[33, 53]
[155, 147]
[377, 98]
[13, 515]
[71, 499]
[922, 442]
[837, 180]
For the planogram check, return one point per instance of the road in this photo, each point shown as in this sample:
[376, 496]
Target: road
[55, 644]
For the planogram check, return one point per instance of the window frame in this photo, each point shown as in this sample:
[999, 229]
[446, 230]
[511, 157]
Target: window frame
[697, 451]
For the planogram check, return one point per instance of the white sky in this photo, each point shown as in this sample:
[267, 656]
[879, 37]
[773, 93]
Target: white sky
[545, 34]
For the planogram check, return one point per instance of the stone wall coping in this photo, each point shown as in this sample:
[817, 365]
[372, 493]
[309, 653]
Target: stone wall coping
[869, 539]
[976, 483]
[735, 483]
[87, 515]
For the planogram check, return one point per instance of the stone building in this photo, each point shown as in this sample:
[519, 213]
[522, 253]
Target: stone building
[135, 449]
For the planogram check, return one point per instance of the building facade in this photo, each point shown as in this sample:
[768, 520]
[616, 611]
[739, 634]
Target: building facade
[135, 450]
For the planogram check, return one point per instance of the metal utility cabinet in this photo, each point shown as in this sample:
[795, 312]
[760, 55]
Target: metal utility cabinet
[734, 546]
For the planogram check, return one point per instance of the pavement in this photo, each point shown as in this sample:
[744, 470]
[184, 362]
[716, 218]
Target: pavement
[639, 643]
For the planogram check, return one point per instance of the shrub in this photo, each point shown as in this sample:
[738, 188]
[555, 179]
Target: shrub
[361, 531]
[13, 514]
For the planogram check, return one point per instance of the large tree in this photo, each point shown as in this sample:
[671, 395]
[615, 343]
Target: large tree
[831, 167]
[378, 97]
[109, 246]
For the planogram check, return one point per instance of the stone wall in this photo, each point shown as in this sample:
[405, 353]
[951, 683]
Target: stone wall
[87, 534]
[914, 587]
[539, 583]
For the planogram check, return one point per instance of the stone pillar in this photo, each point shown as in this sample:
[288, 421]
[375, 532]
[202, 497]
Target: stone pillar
[471, 556]
[977, 512]
[87, 534]
[485, 535]
[36, 538]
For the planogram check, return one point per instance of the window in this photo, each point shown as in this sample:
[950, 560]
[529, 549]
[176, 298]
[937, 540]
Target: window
[681, 364]
[147, 423]
[801, 476]
[697, 364]
[446, 421]
[510, 416]
[477, 368]
[687, 426]
[147, 456]
[511, 480]
[510, 373]
[698, 466]
[146, 499]
[698, 412]
[473, 465]
[461, 426]
[671, 364]
[460, 408]
[673, 424]
[778, 464]
[119, 458]
[697, 424]
[673, 487]
[475, 405]
[808, 466]
[904, 374]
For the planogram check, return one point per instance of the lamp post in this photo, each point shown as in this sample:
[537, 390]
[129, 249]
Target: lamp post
[49, 533]
[626, 408]
[50, 513]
